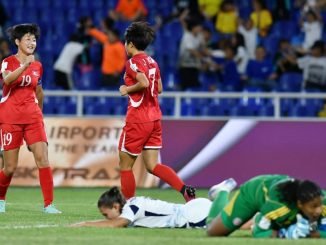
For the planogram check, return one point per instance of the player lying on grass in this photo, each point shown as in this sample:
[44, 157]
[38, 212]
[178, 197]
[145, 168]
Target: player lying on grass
[147, 212]
[286, 207]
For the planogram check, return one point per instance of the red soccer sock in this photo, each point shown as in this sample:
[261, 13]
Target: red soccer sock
[128, 183]
[4, 184]
[46, 182]
[168, 175]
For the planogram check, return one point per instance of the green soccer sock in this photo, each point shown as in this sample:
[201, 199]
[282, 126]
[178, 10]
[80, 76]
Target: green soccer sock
[218, 204]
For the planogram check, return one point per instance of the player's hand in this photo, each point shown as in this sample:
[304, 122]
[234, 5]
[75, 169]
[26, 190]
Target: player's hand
[80, 224]
[29, 59]
[123, 90]
[298, 230]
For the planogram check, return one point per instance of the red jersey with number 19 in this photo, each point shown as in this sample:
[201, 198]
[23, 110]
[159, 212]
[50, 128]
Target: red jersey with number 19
[143, 106]
[19, 104]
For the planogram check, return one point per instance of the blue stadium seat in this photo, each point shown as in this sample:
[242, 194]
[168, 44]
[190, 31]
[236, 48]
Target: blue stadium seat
[290, 82]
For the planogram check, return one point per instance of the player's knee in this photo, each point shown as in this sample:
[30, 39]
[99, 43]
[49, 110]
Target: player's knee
[9, 169]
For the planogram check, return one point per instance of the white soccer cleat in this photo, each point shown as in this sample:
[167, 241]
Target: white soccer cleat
[51, 209]
[2, 206]
[226, 185]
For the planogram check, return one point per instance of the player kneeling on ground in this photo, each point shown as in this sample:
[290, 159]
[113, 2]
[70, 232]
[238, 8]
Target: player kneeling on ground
[286, 207]
[147, 212]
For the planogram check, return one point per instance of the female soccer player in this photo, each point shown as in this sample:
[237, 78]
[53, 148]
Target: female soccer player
[286, 207]
[147, 212]
[21, 113]
[142, 133]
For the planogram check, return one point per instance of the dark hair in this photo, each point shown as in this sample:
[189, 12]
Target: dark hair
[239, 39]
[110, 197]
[295, 190]
[319, 44]
[140, 34]
[18, 31]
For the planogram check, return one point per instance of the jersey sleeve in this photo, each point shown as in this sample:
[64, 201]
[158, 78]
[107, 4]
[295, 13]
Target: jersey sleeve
[131, 210]
[133, 67]
[270, 213]
[6, 66]
[39, 82]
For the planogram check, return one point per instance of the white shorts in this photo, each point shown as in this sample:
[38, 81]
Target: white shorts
[195, 212]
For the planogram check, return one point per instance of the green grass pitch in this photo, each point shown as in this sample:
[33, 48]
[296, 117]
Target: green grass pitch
[24, 223]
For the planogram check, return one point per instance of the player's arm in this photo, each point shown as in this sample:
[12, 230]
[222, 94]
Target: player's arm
[98, 35]
[160, 86]
[10, 77]
[40, 96]
[262, 227]
[112, 223]
[142, 83]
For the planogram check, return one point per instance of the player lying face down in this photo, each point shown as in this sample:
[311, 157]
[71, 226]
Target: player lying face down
[286, 207]
[147, 212]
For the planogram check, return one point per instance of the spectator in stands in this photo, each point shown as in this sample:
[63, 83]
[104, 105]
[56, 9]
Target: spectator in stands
[241, 56]
[228, 70]
[209, 8]
[227, 18]
[3, 18]
[312, 29]
[187, 8]
[63, 66]
[4, 49]
[259, 72]
[314, 67]
[84, 59]
[250, 34]
[190, 53]
[261, 17]
[114, 56]
[281, 9]
[129, 10]
[282, 58]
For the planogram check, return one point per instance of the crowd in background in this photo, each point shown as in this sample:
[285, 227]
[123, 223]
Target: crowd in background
[201, 45]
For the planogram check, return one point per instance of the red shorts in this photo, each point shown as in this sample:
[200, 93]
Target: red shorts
[12, 135]
[138, 136]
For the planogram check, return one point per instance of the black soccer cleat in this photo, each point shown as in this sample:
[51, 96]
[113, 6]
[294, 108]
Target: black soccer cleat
[188, 192]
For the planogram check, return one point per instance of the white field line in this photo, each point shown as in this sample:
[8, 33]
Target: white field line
[9, 227]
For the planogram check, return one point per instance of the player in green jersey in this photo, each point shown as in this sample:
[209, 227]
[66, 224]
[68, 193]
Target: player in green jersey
[283, 207]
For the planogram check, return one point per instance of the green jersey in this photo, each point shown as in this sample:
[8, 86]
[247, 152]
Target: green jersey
[273, 213]
[260, 197]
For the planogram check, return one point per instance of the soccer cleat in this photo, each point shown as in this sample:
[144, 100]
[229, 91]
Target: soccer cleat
[226, 185]
[51, 209]
[2, 206]
[188, 192]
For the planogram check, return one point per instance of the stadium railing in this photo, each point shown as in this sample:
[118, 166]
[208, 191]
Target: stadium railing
[179, 97]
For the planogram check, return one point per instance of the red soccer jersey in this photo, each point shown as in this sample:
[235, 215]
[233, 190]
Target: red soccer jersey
[19, 104]
[143, 106]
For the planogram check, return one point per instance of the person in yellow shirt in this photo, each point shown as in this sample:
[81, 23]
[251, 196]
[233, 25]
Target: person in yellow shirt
[261, 17]
[227, 18]
[209, 8]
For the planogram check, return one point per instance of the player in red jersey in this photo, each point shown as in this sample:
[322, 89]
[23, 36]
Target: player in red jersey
[21, 113]
[142, 133]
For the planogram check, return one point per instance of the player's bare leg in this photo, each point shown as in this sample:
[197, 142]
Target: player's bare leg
[8, 170]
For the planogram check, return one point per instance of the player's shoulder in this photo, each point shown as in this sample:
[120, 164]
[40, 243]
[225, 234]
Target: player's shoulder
[10, 59]
[37, 63]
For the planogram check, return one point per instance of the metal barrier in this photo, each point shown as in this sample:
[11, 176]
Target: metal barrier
[178, 96]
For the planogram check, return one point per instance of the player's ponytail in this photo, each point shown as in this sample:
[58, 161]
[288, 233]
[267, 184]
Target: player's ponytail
[110, 197]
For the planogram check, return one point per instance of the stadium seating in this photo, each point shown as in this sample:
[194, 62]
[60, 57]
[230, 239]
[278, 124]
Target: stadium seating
[55, 31]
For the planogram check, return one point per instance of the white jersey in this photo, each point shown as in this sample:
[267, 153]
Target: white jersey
[147, 212]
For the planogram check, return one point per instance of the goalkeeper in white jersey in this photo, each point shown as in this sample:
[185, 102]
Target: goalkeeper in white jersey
[147, 212]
